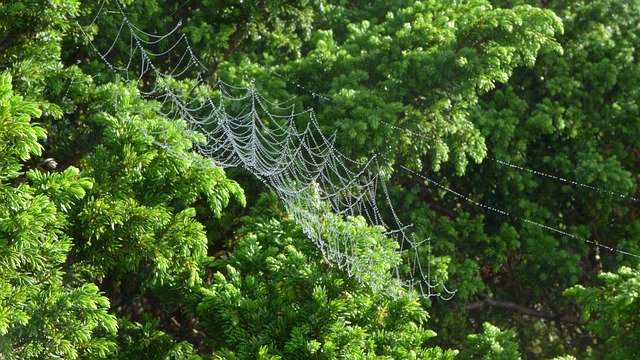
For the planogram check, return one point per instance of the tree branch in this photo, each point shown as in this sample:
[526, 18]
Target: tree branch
[506, 305]
[8, 42]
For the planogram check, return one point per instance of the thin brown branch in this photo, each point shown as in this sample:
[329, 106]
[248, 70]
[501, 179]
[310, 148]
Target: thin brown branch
[488, 302]
[8, 42]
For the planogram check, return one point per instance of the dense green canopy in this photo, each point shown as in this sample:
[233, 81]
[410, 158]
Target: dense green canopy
[112, 246]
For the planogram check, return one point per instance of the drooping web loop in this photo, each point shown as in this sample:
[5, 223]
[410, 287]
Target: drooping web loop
[281, 146]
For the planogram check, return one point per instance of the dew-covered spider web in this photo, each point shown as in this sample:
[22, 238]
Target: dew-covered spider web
[281, 146]
[285, 148]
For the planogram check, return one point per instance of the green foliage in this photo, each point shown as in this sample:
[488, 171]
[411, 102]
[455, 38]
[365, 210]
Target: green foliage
[419, 65]
[612, 313]
[138, 221]
[573, 115]
[31, 32]
[145, 341]
[275, 297]
[19, 137]
[41, 314]
[415, 64]
[551, 86]
[371, 256]
[491, 344]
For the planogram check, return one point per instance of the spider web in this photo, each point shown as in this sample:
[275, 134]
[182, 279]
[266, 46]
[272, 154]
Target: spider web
[281, 146]
[288, 152]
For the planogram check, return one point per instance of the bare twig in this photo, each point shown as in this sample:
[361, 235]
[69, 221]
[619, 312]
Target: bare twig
[506, 305]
